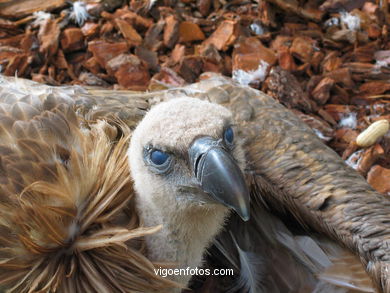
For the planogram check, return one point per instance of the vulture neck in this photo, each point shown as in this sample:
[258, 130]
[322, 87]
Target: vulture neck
[185, 234]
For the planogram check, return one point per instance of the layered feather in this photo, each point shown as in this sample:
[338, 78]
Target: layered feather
[67, 215]
[266, 256]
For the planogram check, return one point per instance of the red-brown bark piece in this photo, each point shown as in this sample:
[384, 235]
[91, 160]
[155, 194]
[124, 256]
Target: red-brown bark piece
[378, 178]
[281, 43]
[293, 7]
[20, 8]
[7, 24]
[106, 29]
[340, 5]
[91, 80]
[189, 32]
[286, 60]
[342, 76]
[165, 78]
[128, 32]
[338, 111]
[321, 93]
[331, 61]
[171, 31]
[90, 29]
[369, 157]
[285, 87]
[204, 6]
[224, 36]
[346, 135]
[136, 20]
[210, 53]
[72, 39]
[131, 72]
[60, 60]
[178, 53]
[48, 37]
[16, 64]
[374, 31]
[303, 48]
[104, 51]
[153, 36]
[7, 53]
[148, 56]
[13, 41]
[92, 65]
[248, 54]
[190, 68]
[374, 87]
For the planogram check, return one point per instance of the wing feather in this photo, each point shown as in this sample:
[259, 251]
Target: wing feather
[67, 215]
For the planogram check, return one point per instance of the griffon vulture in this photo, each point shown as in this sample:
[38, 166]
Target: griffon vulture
[93, 199]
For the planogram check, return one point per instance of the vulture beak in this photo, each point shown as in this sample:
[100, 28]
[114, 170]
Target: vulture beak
[219, 175]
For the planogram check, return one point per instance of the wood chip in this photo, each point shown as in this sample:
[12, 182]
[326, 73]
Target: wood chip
[178, 53]
[166, 78]
[190, 68]
[374, 87]
[72, 39]
[321, 93]
[48, 37]
[128, 32]
[378, 177]
[285, 87]
[171, 31]
[190, 32]
[20, 8]
[204, 6]
[303, 48]
[340, 5]
[90, 29]
[104, 51]
[249, 53]
[224, 36]
[369, 157]
[130, 71]
[153, 36]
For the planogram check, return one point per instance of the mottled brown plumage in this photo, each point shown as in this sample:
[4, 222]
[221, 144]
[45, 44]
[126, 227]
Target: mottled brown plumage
[53, 143]
[67, 218]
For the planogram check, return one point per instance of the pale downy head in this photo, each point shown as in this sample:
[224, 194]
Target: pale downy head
[185, 154]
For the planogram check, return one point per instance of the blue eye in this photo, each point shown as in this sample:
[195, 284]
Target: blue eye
[229, 135]
[158, 157]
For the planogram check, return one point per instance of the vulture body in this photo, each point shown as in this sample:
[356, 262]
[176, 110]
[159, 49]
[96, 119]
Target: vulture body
[72, 220]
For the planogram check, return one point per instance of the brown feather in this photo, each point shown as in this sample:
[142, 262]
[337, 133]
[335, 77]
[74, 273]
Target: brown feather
[67, 215]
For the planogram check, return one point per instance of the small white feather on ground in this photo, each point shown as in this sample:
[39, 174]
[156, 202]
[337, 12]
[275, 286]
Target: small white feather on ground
[246, 77]
[351, 21]
[79, 14]
[349, 121]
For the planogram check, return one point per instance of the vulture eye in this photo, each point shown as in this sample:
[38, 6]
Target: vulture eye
[228, 135]
[159, 161]
[158, 157]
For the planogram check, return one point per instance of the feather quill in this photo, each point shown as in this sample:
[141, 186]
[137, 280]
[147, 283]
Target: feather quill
[251, 271]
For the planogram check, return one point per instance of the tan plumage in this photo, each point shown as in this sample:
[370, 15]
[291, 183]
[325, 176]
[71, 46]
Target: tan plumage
[67, 217]
[53, 146]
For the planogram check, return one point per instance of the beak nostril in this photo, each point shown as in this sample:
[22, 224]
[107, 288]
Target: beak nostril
[198, 159]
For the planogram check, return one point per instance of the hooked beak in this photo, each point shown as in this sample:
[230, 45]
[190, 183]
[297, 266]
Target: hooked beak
[219, 175]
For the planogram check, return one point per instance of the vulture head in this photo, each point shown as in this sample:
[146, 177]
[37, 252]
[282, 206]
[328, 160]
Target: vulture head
[187, 166]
